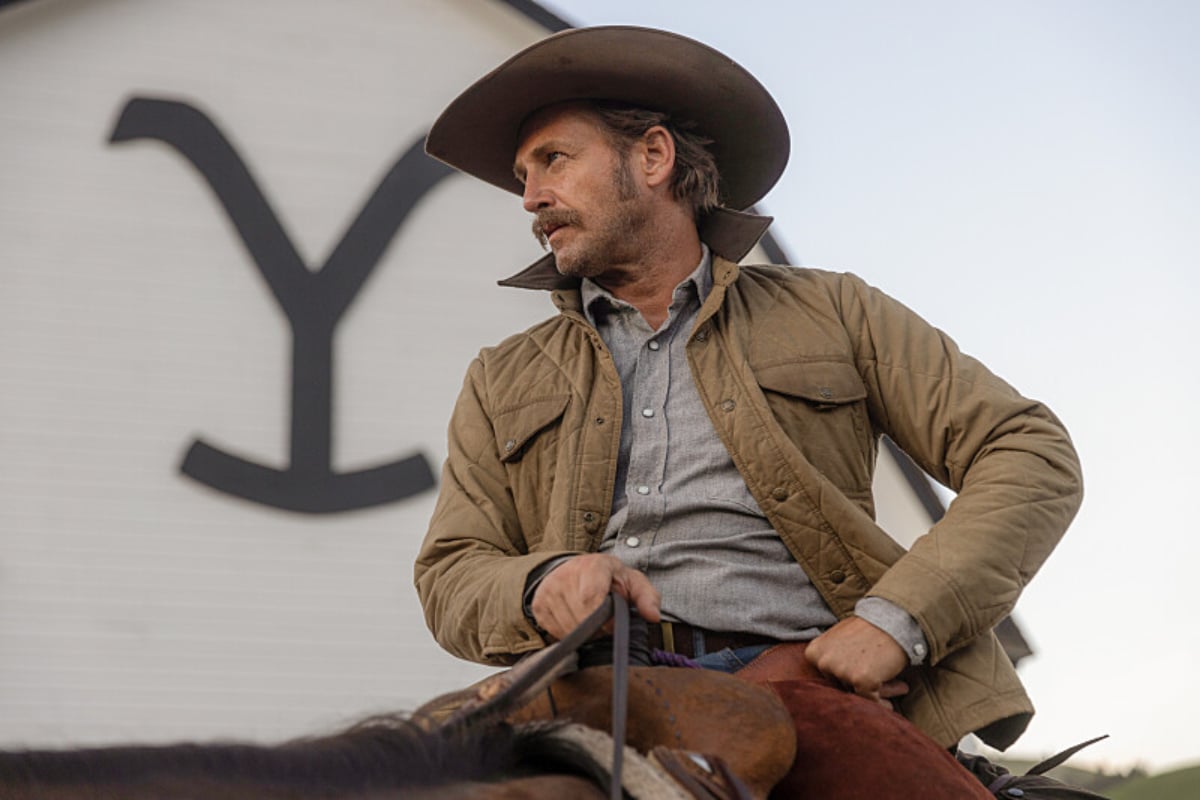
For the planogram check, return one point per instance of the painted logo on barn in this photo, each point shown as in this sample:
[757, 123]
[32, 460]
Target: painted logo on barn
[314, 302]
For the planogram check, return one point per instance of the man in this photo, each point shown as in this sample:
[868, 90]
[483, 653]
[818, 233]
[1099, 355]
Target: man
[701, 436]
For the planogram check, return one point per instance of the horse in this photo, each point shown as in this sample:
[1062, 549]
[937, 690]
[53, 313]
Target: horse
[468, 744]
[493, 741]
[379, 758]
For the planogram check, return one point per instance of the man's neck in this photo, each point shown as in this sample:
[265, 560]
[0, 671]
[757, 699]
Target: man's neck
[649, 284]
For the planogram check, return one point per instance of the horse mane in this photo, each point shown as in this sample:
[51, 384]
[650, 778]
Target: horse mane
[380, 752]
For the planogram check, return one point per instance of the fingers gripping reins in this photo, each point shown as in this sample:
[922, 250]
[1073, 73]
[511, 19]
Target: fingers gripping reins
[542, 666]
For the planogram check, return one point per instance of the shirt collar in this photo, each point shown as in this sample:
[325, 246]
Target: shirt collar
[593, 294]
[730, 234]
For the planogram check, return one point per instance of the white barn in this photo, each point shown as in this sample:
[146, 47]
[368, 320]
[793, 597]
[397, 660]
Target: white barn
[236, 304]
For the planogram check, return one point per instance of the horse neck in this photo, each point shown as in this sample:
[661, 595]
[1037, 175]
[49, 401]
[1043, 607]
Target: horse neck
[388, 756]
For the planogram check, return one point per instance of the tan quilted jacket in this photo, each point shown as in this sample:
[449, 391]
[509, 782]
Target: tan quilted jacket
[800, 371]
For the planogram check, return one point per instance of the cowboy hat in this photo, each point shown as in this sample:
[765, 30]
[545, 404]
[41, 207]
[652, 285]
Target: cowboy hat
[658, 70]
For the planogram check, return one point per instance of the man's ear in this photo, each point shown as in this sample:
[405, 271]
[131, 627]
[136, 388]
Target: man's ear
[658, 156]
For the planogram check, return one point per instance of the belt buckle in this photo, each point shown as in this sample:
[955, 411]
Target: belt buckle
[668, 637]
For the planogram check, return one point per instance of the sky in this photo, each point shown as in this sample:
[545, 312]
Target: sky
[1025, 175]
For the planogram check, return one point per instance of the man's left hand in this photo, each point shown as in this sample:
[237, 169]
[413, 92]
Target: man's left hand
[862, 657]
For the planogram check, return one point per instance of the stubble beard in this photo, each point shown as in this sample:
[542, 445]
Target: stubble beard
[613, 239]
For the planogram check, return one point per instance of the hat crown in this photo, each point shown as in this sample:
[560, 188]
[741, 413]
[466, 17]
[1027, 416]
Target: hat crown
[654, 69]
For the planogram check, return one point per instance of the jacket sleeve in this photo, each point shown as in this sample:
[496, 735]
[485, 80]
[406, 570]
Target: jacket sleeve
[470, 573]
[1008, 457]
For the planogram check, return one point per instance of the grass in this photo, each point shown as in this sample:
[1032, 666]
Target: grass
[1182, 784]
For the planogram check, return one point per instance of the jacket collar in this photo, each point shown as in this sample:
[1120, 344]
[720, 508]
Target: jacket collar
[729, 234]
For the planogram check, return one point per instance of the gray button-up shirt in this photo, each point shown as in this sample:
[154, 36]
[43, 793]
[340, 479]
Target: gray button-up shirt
[682, 513]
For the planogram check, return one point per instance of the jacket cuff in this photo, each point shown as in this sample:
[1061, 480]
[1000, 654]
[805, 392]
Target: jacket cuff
[534, 580]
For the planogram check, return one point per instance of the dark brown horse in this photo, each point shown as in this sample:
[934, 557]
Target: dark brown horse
[379, 758]
[467, 744]
[478, 755]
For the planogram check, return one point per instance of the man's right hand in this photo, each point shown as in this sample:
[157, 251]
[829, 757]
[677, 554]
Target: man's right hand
[573, 590]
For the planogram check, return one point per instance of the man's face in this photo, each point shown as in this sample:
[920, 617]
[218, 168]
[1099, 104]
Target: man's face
[587, 206]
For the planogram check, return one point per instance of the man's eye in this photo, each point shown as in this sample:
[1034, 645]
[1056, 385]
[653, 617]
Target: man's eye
[553, 156]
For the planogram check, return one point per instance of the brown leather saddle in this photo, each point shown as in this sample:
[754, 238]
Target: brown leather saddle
[715, 735]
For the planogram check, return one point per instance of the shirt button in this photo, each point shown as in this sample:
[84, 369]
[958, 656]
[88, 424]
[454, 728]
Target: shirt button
[509, 445]
[653, 344]
[647, 412]
[919, 649]
[633, 541]
[728, 405]
[643, 490]
[837, 576]
[779, 493]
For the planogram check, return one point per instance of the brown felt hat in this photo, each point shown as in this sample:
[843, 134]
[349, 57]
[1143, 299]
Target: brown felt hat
[653, 69]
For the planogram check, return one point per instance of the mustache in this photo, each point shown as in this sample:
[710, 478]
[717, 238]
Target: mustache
[549, 219]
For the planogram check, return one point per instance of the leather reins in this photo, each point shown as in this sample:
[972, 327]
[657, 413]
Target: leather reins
[542, 666]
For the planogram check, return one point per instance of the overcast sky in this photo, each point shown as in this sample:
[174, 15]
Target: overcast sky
[1026, 176]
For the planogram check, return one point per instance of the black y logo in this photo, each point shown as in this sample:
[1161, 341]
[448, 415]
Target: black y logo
[314, 302]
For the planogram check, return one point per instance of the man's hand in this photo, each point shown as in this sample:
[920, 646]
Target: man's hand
[862, 657]
[572, 591]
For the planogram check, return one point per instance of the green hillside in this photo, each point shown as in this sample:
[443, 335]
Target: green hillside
[1182, 784]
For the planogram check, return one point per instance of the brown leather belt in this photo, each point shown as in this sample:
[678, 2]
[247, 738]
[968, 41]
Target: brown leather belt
[679, 637]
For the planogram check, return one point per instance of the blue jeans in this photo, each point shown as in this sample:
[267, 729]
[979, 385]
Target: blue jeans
[731, 660]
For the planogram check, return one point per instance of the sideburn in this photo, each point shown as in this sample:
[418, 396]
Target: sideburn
[623, 178]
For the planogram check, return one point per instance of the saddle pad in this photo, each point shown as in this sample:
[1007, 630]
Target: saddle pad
[850, 748]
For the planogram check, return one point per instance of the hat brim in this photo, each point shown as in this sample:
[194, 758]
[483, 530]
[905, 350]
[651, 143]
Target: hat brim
[478, 132]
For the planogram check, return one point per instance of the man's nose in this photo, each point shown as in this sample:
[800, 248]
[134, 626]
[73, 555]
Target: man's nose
[536, 196]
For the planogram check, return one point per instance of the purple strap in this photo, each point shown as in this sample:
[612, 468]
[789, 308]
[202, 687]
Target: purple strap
[662, 658]
[1004, 780]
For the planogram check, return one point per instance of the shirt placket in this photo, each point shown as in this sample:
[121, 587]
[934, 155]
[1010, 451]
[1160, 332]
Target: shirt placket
[648, 453]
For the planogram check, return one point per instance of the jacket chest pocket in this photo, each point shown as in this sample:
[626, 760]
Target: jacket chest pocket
[821, 406]
[528, 440]
[518, 429]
